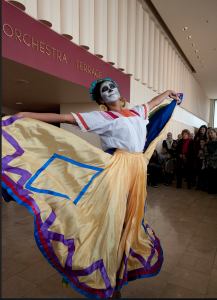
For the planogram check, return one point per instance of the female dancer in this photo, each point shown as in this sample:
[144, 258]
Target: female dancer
[88, 205]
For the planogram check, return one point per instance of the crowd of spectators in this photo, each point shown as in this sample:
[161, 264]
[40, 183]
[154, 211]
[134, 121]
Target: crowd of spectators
[190, 157]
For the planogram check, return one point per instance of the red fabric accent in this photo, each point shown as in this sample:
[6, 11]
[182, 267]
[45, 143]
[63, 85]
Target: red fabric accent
[83, 122]
[112, 115]
[136, 113]
[126, 113]
[185, 148]
[145, 111]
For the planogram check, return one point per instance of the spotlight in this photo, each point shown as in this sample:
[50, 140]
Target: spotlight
[189, 37]
[185, 28]
[192, 45]
[196, 51]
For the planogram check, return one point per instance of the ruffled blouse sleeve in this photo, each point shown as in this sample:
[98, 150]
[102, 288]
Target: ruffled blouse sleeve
[91, 122]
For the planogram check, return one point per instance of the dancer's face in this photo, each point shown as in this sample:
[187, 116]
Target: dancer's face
[109, 92]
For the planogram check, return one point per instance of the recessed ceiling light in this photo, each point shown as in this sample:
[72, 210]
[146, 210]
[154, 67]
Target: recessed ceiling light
[198, 56]
[201, 61]
[196, 51]
[19, 103]
[192, 45]
[185, 28]
[189, 37]
[204, 66]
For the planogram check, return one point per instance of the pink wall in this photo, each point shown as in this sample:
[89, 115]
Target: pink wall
[31, 43]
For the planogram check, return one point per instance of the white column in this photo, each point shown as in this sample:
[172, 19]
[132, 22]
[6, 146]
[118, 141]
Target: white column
[161, 61]
[84, 24]
[156, 59]
[131, 23]
[179, 76]
[151, 54]
[175, 73]
[105, 31]
[173, 70]
[66, 9]
[112, 30]
[55, 15]
[165, 65]
[18, 3]
[145, 47]
[31, 8]
[45, 12]
[122, 35]
[139, 40]
[182, 80]
[169, 67]
[91, 49]
[75, 21]
[98, 28]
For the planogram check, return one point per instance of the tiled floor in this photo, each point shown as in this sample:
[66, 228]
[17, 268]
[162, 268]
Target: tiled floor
[184, 220]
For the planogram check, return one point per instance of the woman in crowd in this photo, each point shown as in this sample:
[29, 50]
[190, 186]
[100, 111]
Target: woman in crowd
[173, 152]
[201, 134]
[154, 169]
[179, 137]
[191, 135]
[167, 144]
[201, 168]
[167, 169]
[185, 159]
[211, 157]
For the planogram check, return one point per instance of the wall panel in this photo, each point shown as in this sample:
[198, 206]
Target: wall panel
[131, 25]
[45, 12]
[122, 35]
[151, 54]
[145, 48]
[138, 42]
[84, 24]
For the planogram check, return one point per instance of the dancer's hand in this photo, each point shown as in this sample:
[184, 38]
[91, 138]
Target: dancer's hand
[174, 96]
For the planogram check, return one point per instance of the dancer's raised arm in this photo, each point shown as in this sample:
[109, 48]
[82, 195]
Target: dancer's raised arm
[49, 117]
[160, 98]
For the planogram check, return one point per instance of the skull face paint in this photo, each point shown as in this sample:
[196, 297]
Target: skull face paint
[109, 92]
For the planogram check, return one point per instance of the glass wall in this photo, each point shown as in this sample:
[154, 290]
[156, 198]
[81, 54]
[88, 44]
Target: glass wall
[215, 114]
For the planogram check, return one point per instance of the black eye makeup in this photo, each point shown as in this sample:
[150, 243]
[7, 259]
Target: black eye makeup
[104, 89]
[112, 85]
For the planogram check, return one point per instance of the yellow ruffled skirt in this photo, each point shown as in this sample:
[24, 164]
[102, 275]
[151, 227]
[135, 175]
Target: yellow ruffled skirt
[88, 205]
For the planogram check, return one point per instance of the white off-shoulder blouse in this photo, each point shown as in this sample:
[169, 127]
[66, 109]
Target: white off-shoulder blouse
[123, 130]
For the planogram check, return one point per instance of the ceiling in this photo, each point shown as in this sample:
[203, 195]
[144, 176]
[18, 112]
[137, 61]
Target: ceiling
[41, 92]
[194, 14]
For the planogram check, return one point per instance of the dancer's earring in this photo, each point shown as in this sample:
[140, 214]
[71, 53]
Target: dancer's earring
[103, 107]
[123, 101]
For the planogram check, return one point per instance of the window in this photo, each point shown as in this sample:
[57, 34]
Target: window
[215, 114]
